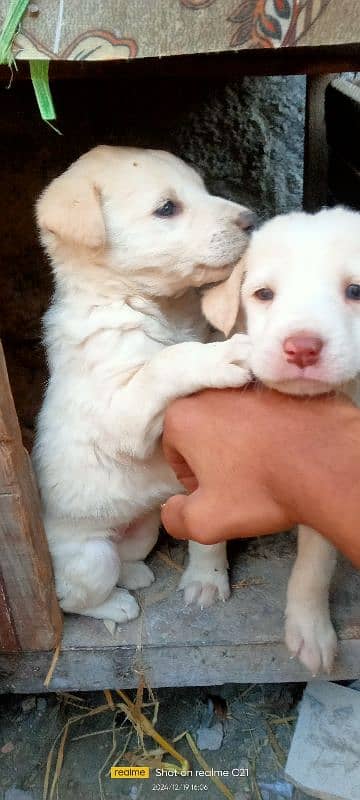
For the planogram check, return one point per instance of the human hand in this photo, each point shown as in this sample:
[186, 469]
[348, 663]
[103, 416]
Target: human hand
[257, 462]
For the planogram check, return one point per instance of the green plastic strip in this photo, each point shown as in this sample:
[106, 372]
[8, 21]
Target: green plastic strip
[39, 71]
[12, 21]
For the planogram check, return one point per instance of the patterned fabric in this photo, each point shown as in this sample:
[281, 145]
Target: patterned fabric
[118, 29]
[264, 23]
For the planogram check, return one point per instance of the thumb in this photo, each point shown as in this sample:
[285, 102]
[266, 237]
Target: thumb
[194, 516]
[173, 516]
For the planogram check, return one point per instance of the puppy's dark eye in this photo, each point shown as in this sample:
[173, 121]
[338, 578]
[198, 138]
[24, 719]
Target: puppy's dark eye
[352, 292]
[169, 209]
[264, 294]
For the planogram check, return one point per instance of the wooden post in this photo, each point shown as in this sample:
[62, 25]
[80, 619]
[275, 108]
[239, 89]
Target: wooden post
[315, 194]
[30, 618]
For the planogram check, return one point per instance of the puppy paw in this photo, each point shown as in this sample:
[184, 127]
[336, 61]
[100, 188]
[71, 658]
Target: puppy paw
[120, 607]
[310, 636]
[233, 369]
[204, 587]
[135, 575]
[123, 606]
[238, 348]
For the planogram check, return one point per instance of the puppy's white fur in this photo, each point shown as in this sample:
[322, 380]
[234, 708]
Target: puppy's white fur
[124, 337]
[307, 261]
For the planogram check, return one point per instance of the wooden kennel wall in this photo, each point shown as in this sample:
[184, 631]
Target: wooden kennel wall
[239, 641]
[30, 618]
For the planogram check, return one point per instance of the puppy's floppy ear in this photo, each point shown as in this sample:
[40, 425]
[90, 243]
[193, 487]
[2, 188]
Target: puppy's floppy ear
[70, 209]
[221, 304]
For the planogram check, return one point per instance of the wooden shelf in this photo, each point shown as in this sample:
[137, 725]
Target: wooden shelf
[241, 640]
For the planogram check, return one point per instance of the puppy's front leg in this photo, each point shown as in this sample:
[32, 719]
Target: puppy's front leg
[175, 372]
[206, 579]
[309, 633]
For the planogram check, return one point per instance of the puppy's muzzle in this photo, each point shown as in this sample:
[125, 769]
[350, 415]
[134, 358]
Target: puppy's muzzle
[246, 221]
[302, 350]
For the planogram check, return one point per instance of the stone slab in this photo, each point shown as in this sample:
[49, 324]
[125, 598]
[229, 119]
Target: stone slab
[324, 758]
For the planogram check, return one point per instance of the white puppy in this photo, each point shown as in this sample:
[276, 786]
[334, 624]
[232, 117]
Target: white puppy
[130, 234]
[301, 298]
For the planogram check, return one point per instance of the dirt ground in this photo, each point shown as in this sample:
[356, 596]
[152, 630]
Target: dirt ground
[250, 727]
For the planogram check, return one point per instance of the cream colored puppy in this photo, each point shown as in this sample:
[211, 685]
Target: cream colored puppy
[131, 234]
[301, 298]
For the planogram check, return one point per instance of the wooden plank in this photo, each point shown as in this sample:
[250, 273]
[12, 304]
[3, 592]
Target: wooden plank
[224, 65]
[30, 618]
[8, 638]
[119, 668]
[315, 145]
[241, 640]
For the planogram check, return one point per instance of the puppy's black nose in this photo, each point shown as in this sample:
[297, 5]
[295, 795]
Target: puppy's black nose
[246, 220]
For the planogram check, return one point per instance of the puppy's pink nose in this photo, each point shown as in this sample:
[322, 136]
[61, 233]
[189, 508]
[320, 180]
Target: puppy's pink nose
[302, 350]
